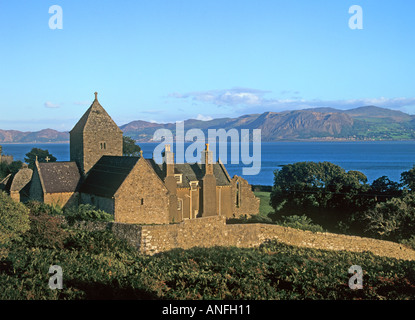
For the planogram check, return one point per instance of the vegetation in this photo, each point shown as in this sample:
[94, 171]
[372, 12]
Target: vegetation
[341, 201]
[300, 222]
[86, 212]
[14, 221]
[393, 219]
[97, 265]
[130, 148]
[264, 207]
[12, 168]
[322, 191]
[40, 154]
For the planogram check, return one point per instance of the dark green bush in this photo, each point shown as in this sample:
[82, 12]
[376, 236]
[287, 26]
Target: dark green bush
[36, 208]
[392, 220]
[86, 212]
[45, 231]
[96, 265]
[300, 222]
[409, 242]
[14, 221]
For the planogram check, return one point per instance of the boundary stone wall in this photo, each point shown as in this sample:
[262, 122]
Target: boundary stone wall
[213, 231]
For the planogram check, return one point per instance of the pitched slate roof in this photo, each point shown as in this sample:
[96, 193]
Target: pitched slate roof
[95, 117]
[59, 177]
[193, 172]
[21, 179]
[107, 175]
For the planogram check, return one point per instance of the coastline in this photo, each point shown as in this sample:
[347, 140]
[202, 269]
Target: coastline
[273, 141]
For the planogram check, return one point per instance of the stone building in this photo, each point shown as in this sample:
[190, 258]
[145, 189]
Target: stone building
[94, 136]
[128, 188]
[20, 184]
[55, 183]
[134, 189]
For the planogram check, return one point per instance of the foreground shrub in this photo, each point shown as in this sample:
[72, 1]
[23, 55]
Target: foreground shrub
[86, 212]
[45, 231]
[409, 242]
[256, 218]
[97, 265]
[37, 208]
[98, 242]
[14, 221]
[300, 222]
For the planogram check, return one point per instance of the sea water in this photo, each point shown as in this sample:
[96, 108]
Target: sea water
[373, 158]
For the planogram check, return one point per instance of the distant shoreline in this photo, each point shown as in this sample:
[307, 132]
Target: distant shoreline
[298, 140]
[52, 142]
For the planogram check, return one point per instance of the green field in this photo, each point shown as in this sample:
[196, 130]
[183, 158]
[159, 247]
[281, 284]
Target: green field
[264, 206]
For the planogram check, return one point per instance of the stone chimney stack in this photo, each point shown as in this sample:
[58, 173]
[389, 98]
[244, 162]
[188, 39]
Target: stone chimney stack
[208, 185]
[207, 160]
[168, 161]
[171, 183]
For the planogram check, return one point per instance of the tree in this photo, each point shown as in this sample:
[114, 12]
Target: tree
[42, 156]
[130, 148]
[14, 217]
[12, 168]
[323, 191]
[408, 179]
[384, 189]
[393, 219]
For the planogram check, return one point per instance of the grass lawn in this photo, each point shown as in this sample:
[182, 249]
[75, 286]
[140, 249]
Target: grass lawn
[264, 207]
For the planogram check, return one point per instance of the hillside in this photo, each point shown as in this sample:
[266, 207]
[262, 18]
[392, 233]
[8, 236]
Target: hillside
[364, 123]
[42, 136]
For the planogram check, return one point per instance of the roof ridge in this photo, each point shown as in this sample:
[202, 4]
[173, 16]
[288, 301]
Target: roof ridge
[89, 114]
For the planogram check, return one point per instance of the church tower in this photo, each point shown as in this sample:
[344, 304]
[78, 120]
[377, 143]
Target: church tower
[94, 136]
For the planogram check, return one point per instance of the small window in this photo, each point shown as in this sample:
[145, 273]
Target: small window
[179, 204]
[178, 178]
[142, 201]
[103, 145]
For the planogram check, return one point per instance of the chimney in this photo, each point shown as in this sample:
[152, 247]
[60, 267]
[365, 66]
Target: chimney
[207, 160]
[208, 185]
[171, 183]
[168, 161]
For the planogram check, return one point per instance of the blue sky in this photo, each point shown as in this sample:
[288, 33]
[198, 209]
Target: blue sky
[169, 60]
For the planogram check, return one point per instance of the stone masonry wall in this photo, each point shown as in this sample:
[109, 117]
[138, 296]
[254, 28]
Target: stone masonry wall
[129, 232]
[213, 231]
[63, 199]
[248, 203]
[142, 197]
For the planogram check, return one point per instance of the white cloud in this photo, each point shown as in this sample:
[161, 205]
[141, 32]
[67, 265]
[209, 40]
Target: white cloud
[203, 118]
[49, 104]
[253, 100]
[228, 97]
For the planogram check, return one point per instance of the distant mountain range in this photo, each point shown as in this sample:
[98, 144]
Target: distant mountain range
[364, 123]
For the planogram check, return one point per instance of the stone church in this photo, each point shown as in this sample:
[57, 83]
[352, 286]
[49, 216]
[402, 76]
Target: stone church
[134, 189]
